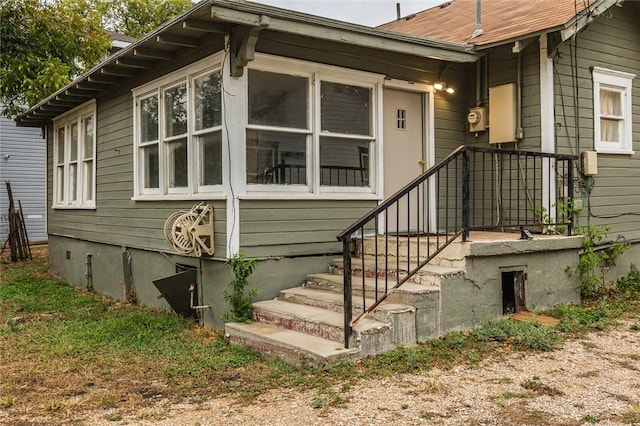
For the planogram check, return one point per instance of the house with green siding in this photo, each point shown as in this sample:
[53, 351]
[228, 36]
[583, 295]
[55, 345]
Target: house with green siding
[392, 183]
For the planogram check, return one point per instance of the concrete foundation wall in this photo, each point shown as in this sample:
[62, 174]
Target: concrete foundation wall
[68, 260]
[624, 262]
[477, 295]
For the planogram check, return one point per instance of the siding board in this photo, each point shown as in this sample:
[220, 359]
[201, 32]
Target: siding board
[612, 43]
[296, 227]
[25, 168]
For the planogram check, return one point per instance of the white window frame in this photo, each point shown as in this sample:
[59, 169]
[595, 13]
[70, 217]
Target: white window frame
[620, 82]
[317, 73]
[158, 88]
[85, 182]
[308, 132]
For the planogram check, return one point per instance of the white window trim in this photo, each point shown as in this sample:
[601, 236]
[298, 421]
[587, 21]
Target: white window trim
[318, 73]
[616, 81]
[158, 87]
[77, 115]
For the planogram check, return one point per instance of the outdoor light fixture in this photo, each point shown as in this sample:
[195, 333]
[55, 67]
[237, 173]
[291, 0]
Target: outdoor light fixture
[442, 85]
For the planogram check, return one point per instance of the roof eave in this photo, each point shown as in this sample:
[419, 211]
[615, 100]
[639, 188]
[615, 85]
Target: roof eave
[284, 20]
[232, 12]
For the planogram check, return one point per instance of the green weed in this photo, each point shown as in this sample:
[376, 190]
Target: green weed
[522, 334]
[238, 298]
[535, 385]
[631, 282]
[319, 402]
[590, 418]
[9, 401]
[596, 316]
[113, 417]
[632, 415]
[596, 262]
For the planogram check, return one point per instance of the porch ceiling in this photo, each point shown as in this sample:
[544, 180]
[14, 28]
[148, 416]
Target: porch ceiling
[210, 22]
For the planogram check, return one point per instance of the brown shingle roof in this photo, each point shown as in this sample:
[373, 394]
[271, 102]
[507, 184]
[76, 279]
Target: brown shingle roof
[501, 20]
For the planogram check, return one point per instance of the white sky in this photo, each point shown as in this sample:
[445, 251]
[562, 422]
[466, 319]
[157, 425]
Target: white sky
[365, 12]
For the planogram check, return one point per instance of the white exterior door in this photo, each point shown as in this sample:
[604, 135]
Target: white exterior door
[404, 154]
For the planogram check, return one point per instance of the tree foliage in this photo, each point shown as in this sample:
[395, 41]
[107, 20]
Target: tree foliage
[47, 43]
[135, 18]
[44, 45]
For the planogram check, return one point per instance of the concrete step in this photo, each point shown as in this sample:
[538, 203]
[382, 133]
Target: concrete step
[428, 275]
[325, 299]
[310, 319]
[293, 346]
[414, 248]
[334, 301]
[334, 282]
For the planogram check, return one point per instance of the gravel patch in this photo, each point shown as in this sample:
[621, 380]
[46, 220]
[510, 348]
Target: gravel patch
[591, 380]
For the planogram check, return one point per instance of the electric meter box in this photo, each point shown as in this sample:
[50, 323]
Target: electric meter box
[477, 119]
[502, 113]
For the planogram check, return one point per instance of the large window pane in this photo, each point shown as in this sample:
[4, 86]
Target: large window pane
[73, 182]
[178, 166]
[149, 119]
[344, 162]
[88, 137]
[277, 100]
[276, 158]
[208, 105]
[73, 148]
[88, 181]
[610, 130]
[345, 109]
[60, 187]
[610, 103]
[211, 159]
[175, 107]
[61, 145]
[151, 167]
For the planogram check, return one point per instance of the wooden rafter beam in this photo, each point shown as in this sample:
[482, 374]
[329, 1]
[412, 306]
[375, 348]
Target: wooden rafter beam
[205, 26]
[153, 54]
[53, 108]
[118, 71]
[134, 63]
[178, 40]
[60, 103]
[103, 79]
[90, 86]
[76, 93]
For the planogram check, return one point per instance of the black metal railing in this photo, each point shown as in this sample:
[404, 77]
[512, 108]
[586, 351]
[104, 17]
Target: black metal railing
[293, 174]
[473, 188]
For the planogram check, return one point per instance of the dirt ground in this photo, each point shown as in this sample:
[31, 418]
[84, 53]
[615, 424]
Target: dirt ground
[594, 380]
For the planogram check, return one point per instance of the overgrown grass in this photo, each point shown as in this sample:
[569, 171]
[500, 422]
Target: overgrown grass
[88, 351]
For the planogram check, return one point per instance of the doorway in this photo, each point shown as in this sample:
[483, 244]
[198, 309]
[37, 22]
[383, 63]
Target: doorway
[405, 152]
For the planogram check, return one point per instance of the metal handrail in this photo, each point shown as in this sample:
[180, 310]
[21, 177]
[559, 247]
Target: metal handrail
[465, 199]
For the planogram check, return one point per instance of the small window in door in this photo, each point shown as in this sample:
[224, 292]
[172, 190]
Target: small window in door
[401, 116]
